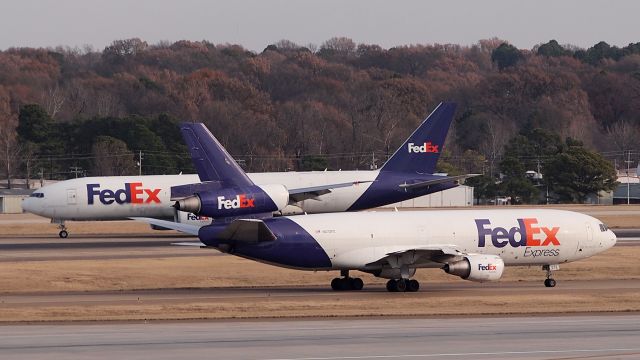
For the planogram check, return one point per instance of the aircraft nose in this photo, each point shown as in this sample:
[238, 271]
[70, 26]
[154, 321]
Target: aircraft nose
[27, 205]
[33, 205]
[613, 239]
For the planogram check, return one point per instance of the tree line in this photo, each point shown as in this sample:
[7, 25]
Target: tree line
[341, 105]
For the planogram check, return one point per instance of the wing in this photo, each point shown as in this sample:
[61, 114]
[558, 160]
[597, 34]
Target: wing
[441, 180]
[247, 230]
[300, 194]
[190, 243]
[184, 228]
[424, 256]
[244, 230]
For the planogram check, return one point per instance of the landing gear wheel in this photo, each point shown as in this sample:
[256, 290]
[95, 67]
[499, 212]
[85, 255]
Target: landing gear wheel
[401, 285]
[391, 286]
[335, 284]
[356, 284]
[412, 285]
[549, 282]
[63, 234]
[347, 283]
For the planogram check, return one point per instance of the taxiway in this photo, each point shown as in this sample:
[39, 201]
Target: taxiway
[537, 337]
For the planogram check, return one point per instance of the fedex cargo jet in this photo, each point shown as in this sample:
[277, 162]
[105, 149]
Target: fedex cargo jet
[472, 244]
[407, 174]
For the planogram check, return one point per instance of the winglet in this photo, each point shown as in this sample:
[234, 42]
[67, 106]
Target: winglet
[420, 152]
[210, 159]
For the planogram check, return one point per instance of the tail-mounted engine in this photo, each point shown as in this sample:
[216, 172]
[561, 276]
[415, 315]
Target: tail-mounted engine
[234, 201]
[477, 268]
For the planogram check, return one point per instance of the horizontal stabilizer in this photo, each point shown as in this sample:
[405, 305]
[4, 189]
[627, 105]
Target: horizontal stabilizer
[184, 228]
[190, 243]
[247, 230]
[301, 194]
[439, 180]
[183, 191]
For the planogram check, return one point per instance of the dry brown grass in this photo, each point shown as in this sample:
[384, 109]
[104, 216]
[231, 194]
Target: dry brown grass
[208, 271]
[414, 304]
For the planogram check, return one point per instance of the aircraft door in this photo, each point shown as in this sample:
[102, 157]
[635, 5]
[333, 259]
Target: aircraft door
[586, 242]
[71, 197]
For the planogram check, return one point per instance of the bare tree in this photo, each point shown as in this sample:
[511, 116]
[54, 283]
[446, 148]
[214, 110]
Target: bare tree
[623, 135]
[9, 147]
[10, 151]
[107, 105]
[52, 100]
[494, 143]
[112, 157]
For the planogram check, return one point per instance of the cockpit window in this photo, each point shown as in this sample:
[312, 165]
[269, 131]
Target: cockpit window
[603, 227]
[37, 195]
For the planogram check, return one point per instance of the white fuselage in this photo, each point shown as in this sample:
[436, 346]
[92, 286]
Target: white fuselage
[554, 236]
[105, 198]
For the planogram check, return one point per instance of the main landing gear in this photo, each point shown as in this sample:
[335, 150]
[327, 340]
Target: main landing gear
[549, 282]
[63, 231]
[402, 285]
[346, 283]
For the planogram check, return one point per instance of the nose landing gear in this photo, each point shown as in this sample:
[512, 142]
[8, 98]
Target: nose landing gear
[63, 230]
[550, 282]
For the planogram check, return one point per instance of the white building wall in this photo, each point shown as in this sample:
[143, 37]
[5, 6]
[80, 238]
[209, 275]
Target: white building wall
[11, 204]
[458, 196]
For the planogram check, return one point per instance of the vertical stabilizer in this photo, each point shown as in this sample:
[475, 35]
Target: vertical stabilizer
[210, 159]
[421, 151]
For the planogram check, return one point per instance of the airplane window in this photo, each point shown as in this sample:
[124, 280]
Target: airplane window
[37, 195]
[603, 227]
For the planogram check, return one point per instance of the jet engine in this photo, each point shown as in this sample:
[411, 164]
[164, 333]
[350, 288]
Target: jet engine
[226, 202]
[477, 268]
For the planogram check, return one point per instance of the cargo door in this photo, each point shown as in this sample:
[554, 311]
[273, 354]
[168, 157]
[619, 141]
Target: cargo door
[586, 242]
[71, 197]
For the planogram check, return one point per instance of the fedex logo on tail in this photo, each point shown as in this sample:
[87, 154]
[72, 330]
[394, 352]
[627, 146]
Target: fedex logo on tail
[527, 231]
[427, 147]
[239, 202]
[133, 193]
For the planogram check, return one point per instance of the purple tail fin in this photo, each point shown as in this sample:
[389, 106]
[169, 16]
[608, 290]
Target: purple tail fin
[420, 152]
[211, 160]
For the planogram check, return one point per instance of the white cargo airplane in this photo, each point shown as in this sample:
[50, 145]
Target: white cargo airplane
[407, 174]
[472, 244]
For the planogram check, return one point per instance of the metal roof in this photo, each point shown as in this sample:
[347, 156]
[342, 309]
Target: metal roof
[15, 192]
[621, 191]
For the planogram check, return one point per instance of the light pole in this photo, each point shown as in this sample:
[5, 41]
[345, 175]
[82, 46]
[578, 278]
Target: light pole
[628, 161]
